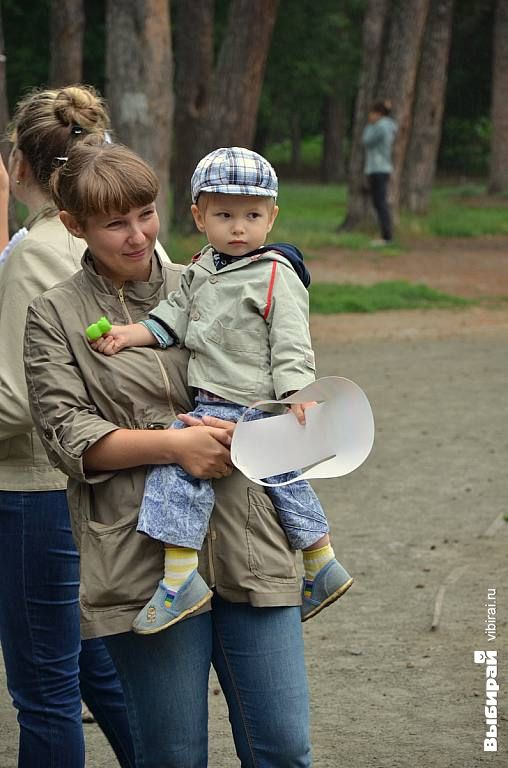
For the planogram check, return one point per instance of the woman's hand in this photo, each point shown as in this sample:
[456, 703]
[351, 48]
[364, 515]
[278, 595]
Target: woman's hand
[4, 205]
[209, 421]
[4, 179]
[204, 452]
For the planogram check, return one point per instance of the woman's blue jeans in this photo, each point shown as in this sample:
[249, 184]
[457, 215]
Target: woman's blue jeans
[39, 633]
[258, 656]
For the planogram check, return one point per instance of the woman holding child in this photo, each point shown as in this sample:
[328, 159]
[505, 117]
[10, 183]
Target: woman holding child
[101, 419]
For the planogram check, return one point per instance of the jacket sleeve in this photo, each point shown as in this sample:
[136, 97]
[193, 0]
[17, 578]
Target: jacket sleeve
[32, 268]
[373, 133]
[173, 312]
[292, 357]
[66, 420]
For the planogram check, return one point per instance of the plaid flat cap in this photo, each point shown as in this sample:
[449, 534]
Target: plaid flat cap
[234, 171]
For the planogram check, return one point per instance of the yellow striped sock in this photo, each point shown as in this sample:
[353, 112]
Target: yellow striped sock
[314, 560]
[179, 562]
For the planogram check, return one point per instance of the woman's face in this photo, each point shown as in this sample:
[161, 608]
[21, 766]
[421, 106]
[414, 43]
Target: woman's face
[122, 244]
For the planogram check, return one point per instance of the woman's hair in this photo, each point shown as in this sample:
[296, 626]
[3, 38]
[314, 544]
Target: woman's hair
[47, 123]
[382, 107]
[102, 178]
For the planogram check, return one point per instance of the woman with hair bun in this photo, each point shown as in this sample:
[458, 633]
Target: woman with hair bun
[48, 669]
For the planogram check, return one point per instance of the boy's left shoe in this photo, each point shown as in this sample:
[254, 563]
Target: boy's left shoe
[156, 616]
[329, 584]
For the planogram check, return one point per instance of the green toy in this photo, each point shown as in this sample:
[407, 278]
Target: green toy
[98, 329]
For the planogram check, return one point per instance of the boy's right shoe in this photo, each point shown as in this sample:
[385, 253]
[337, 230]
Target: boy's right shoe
[329, 584]
[155, 616]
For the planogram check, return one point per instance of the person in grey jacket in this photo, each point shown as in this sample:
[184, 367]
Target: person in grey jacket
[101, 421]
[47, 666]
[378, 138]
[242, 310]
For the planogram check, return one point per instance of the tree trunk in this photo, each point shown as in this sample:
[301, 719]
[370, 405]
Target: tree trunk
[217, 108]
[239, 74]
[4, 122]
[139, 85]
[398, 78]
[332, 160]
[374, 31]
[421, 155]
[193, 82]
[498, 177]
[67, 25]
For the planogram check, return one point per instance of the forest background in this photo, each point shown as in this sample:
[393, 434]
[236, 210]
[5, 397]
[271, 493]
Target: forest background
[291, 78]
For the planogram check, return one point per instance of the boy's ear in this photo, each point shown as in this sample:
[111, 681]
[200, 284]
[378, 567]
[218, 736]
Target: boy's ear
[70, 223]
[273, 217]
[198, 217]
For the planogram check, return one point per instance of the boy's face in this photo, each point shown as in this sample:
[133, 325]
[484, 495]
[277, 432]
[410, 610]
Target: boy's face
[235, 224]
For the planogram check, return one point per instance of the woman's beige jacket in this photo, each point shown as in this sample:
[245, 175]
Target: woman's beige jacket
[78, 396]
[47, 255]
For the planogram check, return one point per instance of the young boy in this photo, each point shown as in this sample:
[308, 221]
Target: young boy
[242, 311]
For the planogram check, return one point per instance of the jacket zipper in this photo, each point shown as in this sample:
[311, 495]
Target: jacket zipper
[124, 305]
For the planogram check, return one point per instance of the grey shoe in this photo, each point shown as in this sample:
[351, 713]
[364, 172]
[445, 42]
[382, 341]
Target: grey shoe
[330, 583]
[155, 617]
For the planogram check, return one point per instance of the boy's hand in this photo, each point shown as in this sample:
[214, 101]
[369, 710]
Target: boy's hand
[299, 410]
[122, 336]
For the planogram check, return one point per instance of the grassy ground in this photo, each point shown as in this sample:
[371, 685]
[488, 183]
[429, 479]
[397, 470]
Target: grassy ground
[332, 298]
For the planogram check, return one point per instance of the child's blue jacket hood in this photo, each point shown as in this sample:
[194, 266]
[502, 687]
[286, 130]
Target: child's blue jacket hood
[294, 256]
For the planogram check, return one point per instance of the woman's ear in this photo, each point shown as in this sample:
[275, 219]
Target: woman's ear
[70, 223]
[17, 166]
[198, 217]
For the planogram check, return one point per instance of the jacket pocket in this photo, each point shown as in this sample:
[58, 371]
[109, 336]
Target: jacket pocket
[234, 356]
[235, 340]
[269, 555]
[120, 567]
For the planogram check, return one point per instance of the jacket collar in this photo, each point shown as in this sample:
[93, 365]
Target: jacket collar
[48, 211]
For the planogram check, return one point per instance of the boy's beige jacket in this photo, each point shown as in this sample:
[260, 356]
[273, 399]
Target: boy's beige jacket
[248, 334]
[47, 255]
[77, 396]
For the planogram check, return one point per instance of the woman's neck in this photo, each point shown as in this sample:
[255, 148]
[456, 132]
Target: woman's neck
[34, 198]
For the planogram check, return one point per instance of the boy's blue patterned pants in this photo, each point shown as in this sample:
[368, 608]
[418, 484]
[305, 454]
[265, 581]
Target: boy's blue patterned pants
[176, 507]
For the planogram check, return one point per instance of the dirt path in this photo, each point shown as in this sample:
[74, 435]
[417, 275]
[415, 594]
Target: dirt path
[420, 523]
[463, 266]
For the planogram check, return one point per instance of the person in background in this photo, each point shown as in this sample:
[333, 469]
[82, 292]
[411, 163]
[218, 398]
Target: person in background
[102, 420]
[378, 137]
[48, 669]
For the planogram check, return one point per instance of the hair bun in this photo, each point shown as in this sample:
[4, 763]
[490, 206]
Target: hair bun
[80, 105]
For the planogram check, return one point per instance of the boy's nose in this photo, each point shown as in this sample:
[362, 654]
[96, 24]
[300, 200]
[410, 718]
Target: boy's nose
[238, 226]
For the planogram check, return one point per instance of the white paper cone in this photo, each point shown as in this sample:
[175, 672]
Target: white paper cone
[336, 439]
